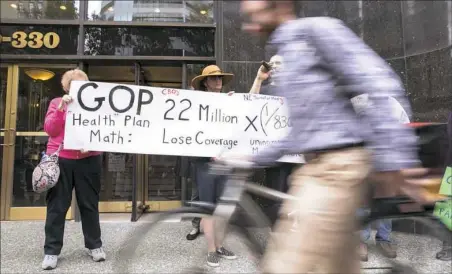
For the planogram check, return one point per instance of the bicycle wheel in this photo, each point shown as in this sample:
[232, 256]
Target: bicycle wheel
[134, 239]
[434, 228]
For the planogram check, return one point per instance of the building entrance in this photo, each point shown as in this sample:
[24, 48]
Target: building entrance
[130, 183]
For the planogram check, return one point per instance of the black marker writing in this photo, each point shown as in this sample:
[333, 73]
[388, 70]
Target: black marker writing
[282, 121]
[186, 106]
[112, 104]
[113, 137]
[132, 121]
[100, 120]
[131, 101]
[217, 115]
[199, 138]
[251, 123]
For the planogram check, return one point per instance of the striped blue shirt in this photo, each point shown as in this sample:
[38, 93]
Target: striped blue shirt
[325, 65]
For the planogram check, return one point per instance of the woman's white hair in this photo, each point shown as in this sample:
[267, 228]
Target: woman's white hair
[70, 75]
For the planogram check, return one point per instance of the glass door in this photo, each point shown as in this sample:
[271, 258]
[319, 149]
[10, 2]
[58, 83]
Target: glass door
[139, 205]
[26, 91]
[33, 88]
[168, 179]
[162, 173]
[120, 171]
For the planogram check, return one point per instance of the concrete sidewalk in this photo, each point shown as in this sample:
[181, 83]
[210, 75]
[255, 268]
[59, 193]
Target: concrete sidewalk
[165, 250]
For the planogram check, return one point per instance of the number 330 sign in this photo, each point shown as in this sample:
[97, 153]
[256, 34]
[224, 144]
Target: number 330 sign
[35, 40]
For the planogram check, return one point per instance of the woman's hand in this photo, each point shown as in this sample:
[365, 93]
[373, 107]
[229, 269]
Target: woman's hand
[67, 99]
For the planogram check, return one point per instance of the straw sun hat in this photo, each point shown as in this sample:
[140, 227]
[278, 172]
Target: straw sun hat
[211, 70]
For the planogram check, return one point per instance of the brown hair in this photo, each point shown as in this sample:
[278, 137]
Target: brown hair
[69, 75]
[202, 85]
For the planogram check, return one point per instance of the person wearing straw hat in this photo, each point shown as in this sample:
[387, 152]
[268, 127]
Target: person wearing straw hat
[212, 79]
[209, 186]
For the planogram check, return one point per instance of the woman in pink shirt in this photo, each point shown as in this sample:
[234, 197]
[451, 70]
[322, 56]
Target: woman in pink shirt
[78, 169]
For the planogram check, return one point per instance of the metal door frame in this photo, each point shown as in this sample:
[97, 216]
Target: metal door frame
[8, 145]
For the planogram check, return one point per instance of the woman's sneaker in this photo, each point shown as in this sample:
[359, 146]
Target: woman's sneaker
[50, 262]
[224, 253]
[212, 259]
[97, 254]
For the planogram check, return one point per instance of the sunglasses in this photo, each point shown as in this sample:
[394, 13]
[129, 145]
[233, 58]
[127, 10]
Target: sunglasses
[216, 77]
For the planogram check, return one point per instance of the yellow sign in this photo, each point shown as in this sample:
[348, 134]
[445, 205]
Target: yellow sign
[34, 40]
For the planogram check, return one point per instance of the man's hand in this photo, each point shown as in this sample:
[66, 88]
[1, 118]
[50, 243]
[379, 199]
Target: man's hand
[234, 160]
[388, 183]
[262, 73]
[422, 184]
[67, 99]
[414, 183]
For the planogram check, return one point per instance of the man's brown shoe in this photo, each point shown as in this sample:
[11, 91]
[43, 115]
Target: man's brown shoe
[388, 249]
[363, 252]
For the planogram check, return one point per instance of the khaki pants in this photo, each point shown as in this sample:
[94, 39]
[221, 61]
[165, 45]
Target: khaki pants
[330, 189]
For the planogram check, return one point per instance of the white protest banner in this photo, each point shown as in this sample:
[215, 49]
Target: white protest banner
[160, 121]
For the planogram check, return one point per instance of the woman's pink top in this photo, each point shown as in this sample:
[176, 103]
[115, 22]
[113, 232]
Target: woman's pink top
[54, 127]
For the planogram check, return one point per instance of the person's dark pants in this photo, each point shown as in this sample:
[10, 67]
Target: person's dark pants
[210, 186]
[84, 175]
[195, 197]
[276, 178]
[205, 187]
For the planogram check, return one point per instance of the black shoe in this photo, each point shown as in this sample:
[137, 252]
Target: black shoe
[445, 254]
[194, 233]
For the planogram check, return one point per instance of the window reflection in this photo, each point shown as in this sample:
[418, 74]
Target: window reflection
[28, 153]
[164, 184]
[117, 177]
[37, 87]
[200, 11]
[142, 41]
[112, 74]
[194, 70]
[169, 76]
[40, 9]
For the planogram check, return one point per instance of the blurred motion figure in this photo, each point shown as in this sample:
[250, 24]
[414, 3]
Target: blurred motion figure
[325, 65]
